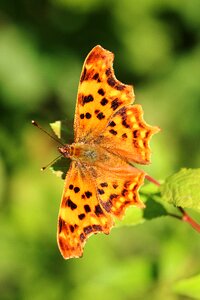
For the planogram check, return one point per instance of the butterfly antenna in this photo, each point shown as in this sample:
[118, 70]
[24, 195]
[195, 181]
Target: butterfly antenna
[38, 126]
[51, 163]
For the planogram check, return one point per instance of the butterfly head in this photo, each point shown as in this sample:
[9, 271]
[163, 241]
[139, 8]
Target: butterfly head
[65, 150]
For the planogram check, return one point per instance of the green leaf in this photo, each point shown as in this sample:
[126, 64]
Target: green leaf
[56, 127]
[135, 215]
[189, 287]
[64, 133]
[183, 189]
[154, 209]
[149, 188]
[63, 130]
[61, 167]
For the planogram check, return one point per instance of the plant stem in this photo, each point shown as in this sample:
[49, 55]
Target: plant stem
[151, 179]
[185, 217]
[175, 216]
[188, 219]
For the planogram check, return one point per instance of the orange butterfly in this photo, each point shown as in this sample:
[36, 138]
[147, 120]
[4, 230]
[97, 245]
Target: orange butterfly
[109, 134]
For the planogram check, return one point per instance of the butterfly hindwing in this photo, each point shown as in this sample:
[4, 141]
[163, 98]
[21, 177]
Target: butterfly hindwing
[118, 189]
[80, 213]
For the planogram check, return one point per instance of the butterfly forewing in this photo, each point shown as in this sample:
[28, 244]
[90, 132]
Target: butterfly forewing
[100, 94]
[128, 136]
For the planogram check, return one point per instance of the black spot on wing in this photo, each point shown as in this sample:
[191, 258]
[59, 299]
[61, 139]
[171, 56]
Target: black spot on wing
[100, 116]
[135, 134]
[98, 211]
[60, 225]
[71, 227]
[123, 115]
[127, 183]
[88, 194]
[82, 116]
[124, 192]
[81, 216]
[88, 115]
[101, 92]
[104, 184]
[101, 191]
[82, 237]
[112, 131]
[108, 72]
[96, 76]
[124, 135]
[120, 87]
[97, 227]
[111, 81]
[113, 196]
[87, 99]
[87, 208]
[71, 204]
[112, 124]
[125, 124]
[87, 229]
[115, 104]
[76, 189]
[107, 205]
[104, 101]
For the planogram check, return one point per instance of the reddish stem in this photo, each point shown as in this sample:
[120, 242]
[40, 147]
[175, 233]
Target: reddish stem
[188, 219]
[185, 217]
[152, 180]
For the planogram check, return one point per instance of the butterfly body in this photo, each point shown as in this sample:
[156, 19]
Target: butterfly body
[94, 155]
[83, 153]
[110, 135]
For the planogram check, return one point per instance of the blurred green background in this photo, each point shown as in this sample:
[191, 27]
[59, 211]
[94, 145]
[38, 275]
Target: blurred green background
[42, 47]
